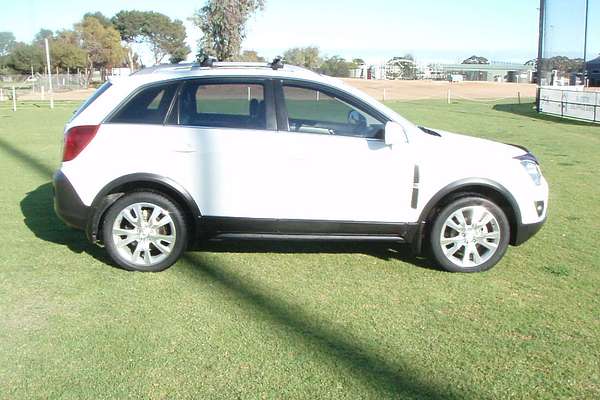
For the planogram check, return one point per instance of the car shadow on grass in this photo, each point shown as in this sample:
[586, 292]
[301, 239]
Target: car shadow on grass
[529, 110]
[38, 210]
[40, 218]
[383, 251]
[389, 377]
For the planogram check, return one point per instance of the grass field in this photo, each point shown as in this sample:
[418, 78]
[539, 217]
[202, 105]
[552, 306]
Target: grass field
[310, 321]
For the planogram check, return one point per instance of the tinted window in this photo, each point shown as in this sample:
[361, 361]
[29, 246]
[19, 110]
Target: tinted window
[312, 111]
[150, 106]
[234, 105]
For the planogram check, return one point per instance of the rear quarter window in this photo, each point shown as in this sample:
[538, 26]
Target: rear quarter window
[149, 106]
[103, 88]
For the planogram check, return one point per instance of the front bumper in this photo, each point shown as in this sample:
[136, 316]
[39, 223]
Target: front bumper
[525, 231]
[67, 204]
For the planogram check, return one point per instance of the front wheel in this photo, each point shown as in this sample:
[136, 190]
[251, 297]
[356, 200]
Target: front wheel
[470, 234]
[144, 231]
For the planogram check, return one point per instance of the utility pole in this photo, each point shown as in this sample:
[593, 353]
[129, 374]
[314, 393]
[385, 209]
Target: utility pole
[585, 40]
[585, 37]
[540, 51]
[50, 93]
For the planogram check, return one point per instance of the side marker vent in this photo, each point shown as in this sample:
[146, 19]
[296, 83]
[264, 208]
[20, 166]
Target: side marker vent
[415, 192]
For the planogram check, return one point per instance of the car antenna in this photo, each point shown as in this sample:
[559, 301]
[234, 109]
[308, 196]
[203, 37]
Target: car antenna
[277, 63]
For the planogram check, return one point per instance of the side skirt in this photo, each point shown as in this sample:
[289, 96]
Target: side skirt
[224, 228]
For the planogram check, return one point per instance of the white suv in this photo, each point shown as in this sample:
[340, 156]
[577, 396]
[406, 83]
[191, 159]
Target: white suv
[171, 154]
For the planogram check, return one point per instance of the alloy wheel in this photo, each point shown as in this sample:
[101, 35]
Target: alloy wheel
[470, 236]
[144, 234]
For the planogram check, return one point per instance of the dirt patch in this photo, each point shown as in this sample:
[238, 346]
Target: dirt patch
[394, 90]
[418, 90]
[81, 94]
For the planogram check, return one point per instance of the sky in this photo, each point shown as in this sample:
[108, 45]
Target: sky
[375, 30]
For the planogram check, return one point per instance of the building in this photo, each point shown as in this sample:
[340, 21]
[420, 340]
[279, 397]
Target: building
[494, 72]
[399, 68]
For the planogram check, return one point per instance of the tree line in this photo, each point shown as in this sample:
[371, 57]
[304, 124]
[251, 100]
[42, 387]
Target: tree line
[99, 43]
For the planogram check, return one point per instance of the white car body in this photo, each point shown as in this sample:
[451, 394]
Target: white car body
[282, 175]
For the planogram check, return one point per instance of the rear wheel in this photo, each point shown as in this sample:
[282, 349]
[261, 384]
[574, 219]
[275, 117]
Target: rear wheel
[144, 231]
[470, 234]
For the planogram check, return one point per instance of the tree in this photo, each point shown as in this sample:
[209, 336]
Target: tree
[102, 44]
[335, 66]
[42, 35]
[476, 60]
[130, 26]
[179, 55]
[533, 62]
[223, 24]
[249, 56]
[24, 57]
[103, 19]
[65, 52]
[166, 37]
[7, 43]
[563, 64]
[307, 57]
[65, 49]
[163, 35]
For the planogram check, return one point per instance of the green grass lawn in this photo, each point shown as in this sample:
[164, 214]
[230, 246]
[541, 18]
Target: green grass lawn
[303, 320]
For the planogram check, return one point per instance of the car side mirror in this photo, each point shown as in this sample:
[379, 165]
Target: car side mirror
[394, 134]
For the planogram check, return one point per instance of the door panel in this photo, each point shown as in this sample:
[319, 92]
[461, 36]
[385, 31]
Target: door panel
[238, 172]
[330, 177]
[232, 125]
[336, 163]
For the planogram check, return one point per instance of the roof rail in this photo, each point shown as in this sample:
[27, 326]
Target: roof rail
[212, 63]
[164, 67]
[208, 61]
[277, 63]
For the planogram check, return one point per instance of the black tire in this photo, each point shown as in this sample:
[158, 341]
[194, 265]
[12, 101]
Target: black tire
[178, 222]
[437, 250]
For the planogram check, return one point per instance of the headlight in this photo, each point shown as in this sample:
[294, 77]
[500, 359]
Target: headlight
[533, 169]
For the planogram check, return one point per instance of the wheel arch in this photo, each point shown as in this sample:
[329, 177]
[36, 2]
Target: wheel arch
[486, 188]
[137, 182]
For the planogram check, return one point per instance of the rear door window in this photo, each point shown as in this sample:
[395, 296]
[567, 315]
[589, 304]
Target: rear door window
[222, 105]
[149, 106]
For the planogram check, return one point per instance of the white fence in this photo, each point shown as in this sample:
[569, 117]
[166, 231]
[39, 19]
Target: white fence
[570, 103]
[34, 87]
